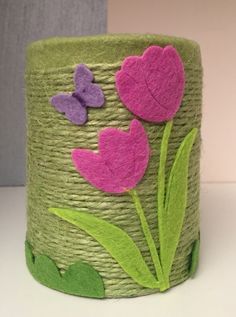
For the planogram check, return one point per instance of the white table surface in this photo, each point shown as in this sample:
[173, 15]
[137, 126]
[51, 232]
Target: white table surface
[211, 293]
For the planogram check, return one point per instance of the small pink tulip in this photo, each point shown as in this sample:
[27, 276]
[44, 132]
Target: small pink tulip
[121, 161]
[152, 86]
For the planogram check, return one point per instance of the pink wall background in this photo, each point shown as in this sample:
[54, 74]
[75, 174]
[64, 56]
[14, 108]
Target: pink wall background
[212, 23]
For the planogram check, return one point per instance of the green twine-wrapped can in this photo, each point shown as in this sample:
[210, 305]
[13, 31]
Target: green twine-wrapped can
[64, 249]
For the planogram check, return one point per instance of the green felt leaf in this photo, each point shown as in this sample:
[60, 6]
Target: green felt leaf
[175, 202]
[80, 278]
[194, 258]
[116, 241]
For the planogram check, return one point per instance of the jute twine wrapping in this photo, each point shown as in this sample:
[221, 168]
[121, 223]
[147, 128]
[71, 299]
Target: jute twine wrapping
[52, 180]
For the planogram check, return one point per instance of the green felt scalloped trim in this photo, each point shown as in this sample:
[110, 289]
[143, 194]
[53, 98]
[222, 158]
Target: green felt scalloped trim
[116, 241]
[79, 279]
[194, 258]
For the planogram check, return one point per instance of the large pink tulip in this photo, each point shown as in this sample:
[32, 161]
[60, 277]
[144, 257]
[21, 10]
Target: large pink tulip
[121, 161]
[152, 86]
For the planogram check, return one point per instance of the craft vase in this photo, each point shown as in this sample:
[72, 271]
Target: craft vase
[54, 182]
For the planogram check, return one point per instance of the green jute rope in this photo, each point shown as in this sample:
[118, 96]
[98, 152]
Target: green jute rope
[52, 179]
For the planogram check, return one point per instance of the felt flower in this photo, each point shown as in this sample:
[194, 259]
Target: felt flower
[121, 161]
[152, 86]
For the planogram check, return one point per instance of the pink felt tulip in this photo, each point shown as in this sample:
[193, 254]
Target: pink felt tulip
[152, 86]
[121, 161]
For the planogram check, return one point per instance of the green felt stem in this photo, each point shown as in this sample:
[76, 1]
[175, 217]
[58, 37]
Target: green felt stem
[148, 236]
[161, 188]
[161, 184]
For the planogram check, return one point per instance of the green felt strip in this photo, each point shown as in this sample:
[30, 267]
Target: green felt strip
[148, 236]
[194, 258]
[115, 241]
[162, 216]
[79, 279]
[175, 202]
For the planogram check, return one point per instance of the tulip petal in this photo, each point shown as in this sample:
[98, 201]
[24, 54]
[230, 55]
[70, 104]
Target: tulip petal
[126, 154]
[132, 66]
[121, 161]
[116, 149]
[135, 97]
[168, 89]
[152, 86]
[93, 168]
[142, 149]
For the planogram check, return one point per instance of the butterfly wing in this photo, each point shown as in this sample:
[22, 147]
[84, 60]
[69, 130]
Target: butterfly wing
[71, 107]
[91, 93]
[92, 96]
[83, 76]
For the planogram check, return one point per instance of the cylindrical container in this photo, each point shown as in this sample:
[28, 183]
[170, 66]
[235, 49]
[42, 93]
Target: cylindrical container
[54, 182]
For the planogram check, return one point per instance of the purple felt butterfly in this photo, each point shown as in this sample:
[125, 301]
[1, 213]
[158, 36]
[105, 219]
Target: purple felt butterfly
[86, 94]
